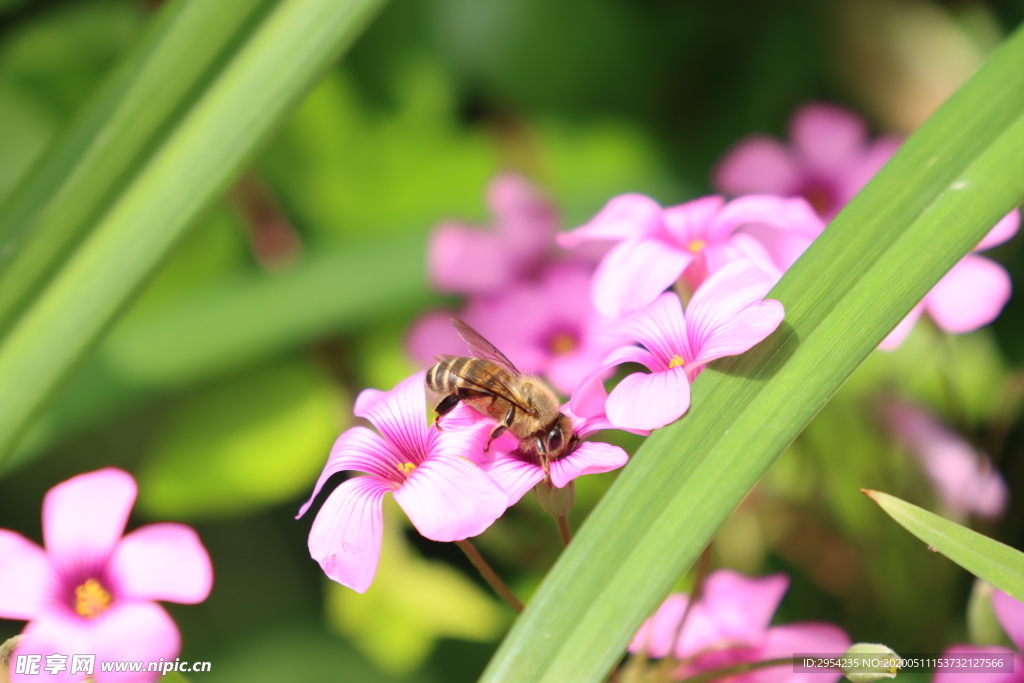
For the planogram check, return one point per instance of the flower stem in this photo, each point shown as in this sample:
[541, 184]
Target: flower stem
[563, 529]
[703, 565]
[727, 671]
[490, 575]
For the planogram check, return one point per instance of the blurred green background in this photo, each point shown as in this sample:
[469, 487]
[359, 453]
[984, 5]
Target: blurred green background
[224, 386]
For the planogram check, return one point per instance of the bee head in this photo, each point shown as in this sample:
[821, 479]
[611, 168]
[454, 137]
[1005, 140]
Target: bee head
[559, 440]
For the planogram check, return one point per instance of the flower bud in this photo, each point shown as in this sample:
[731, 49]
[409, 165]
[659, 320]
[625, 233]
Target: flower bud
[553, 500]
[870, 662]
[6, 648]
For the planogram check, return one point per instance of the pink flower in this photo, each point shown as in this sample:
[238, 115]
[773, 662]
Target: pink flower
[726, 317]
[469, 260]
[94, 591]
[965, 480]
[729, 625]
[547, 328]
[970, 296]
[1010, 613]
[517, 472]
[828, 162]
[446, 496]
[656, 246]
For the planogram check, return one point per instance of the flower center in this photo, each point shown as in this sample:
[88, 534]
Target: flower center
[819, 198]
[92, 599]
[405, 467]
[696, 245]
[562, 342]
[676, 362]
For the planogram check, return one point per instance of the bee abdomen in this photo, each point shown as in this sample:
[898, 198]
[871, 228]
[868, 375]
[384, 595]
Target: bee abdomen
[443, 377]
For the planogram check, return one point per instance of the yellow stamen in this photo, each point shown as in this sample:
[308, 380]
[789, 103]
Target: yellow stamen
[696, 245]
[676, 362]
[91, 599]
[406, 467]
[563, 343]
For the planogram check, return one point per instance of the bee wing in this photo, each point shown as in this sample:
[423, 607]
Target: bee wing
[495, 385]
[481, 348]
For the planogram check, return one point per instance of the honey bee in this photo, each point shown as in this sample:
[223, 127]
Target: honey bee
[490, 383]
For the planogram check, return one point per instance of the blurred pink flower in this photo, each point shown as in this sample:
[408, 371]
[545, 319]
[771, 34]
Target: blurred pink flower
[518, 472]
[1010, 613]
[547, 327]
[970, 296]
[430, 472]
[469, 260]
[964, 479]
[94, 591]
[727, 316]
[829, 161]
[656, 246]
[729, 625]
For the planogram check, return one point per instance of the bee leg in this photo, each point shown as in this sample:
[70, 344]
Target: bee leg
[445, 406]
[500, 429]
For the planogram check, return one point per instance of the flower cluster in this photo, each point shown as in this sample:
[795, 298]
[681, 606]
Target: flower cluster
[728, 625]
[92, 591]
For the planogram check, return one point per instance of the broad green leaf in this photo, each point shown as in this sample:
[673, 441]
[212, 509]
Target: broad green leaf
[192, 162]
[412, 603]
[948, 185]
[992, 561]
[243, 444]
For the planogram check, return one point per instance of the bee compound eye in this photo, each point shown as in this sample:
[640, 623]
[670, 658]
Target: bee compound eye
[554, 440]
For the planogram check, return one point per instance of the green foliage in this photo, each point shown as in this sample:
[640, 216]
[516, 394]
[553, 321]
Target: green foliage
[989, 560]
[688, 477]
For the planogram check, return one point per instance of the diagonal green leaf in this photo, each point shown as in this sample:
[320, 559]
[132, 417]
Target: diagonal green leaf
[961, 172]
[53, 209]
[995, 562]
[191, 164]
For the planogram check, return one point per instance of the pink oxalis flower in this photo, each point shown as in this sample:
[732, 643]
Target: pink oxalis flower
[467, 260]
[828, 162]
[445, 494]
[1010, 613]
[549, 327]
[727, 316]
[656, 246]
[964, 479]
[729, 625]
[969, 296]
[94, 591]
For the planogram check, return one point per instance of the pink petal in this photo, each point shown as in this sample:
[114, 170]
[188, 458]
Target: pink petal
[781, 247]
[634, 273]
[449, 498]
[467, 260]
[971, 295]
[1010, 613]
[790, 215]
[960, 676]
[526, 219]
[660, 327]
[26, 579]
[649, 401]
[657, 633]
[758, 165]
[400, 415]
[727, 315]
[140, 632]
[84, 517]
[626, 217]
[54, 633]
[1005, 229]
[800, 638]
[514, 475]
[827, 138]
[162, 562]
[734, 610]
[692, 221]
[358, 449]
[590, 457]
[899, 333]
[346, 535]
[853, 179]
[590, 396]
[432, 334]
